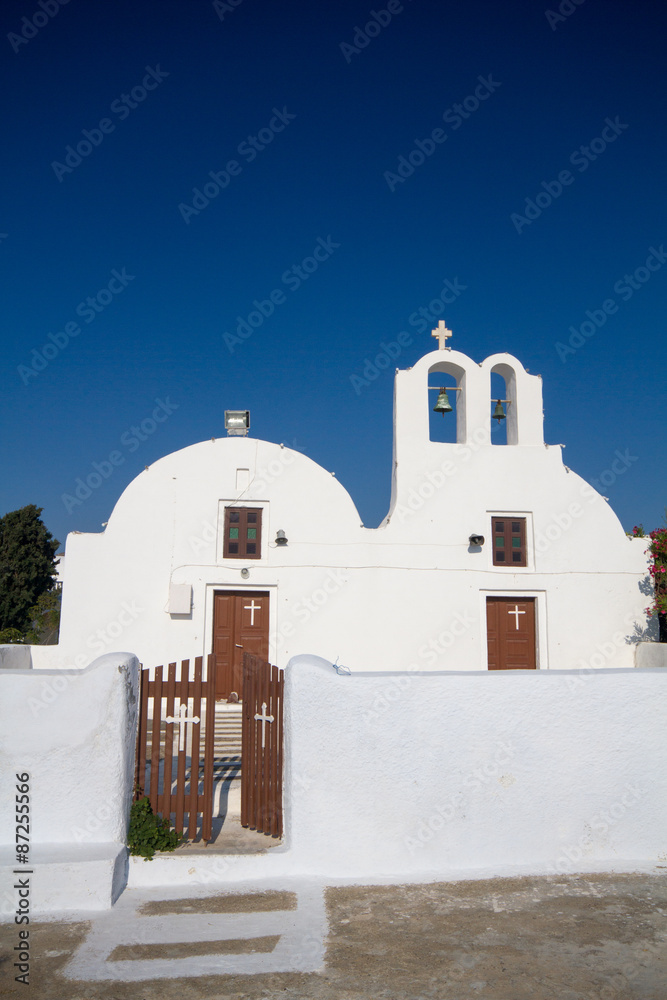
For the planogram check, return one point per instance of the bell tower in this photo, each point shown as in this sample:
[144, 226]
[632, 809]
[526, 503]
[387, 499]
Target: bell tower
[417, 391]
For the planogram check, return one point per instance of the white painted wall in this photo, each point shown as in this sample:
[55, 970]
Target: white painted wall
[74, 732]
[15, 657]
[409, 773]
[444, 775]
[409, 594]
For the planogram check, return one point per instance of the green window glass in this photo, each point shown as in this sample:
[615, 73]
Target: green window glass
[243, 532]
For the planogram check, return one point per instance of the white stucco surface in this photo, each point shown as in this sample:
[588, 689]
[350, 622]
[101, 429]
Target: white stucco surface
[410, 594]
[15, 657]
[441, 775]
[74, 733]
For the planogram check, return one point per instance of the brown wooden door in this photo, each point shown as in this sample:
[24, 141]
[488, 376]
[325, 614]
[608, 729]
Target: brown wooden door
[240, 624]
[510, 630]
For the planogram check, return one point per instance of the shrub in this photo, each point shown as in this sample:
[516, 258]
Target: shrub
[149, 833]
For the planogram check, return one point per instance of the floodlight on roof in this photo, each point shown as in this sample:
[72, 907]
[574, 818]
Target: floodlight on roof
[237, 422]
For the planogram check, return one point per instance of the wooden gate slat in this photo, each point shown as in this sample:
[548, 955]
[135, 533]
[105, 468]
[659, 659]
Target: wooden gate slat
[271, 757]
[245, 743]
[251, 786]
[164, 799]
[265, 746]
[182, 687]
[193, 803]
[209, 750]
[275, 801]
[155, 740]
[257, 762]
[248, 765]
[142, 736]
[261, 785]
[281, 752]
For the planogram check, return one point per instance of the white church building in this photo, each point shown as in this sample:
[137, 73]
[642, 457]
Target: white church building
[491, 557]
[491, 718]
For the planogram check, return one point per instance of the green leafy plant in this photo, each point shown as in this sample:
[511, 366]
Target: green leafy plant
[11, 635]
[657, 549]
[149, 833]
[45, 619]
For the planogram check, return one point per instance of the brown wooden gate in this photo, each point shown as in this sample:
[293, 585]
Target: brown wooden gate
[262, 753]
[170, 751]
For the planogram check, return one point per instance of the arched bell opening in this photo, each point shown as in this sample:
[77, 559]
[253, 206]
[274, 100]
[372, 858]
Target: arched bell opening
[446, 403]
[503, 405]
[498, 409]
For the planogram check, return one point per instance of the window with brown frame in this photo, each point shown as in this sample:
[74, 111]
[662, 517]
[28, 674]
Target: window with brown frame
[243, 533]
[509, 541]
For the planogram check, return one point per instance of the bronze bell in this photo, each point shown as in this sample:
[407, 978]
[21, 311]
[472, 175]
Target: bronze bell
[499, 413]
[443, 405]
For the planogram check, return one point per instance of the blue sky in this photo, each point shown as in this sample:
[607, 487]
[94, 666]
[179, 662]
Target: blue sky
[138, 284]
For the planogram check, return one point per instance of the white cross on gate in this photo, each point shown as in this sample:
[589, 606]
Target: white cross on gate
[516, 614]
[442, 333]
[264, 718]
[182, 721]
[252, 607]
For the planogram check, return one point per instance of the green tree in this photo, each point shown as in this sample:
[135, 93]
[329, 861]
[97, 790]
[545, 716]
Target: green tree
[27, 565]
[45, 619]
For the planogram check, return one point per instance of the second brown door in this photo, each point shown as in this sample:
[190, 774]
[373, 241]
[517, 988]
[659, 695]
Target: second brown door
[510, 629]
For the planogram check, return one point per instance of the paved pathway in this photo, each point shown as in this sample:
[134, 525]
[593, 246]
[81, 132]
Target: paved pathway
[588, 937]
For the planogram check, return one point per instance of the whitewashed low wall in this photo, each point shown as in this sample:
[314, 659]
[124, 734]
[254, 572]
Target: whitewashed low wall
[73, 732]
[651, 654]
[443, 775]
[420, 772]
[15, 657]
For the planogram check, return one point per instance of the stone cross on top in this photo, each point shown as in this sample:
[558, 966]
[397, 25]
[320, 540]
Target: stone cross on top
[442, 333]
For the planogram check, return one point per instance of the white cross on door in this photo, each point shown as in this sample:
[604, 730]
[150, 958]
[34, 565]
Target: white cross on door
[252, 607]
[516, 614]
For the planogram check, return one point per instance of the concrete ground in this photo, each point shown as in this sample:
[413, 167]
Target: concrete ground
[565, 937]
